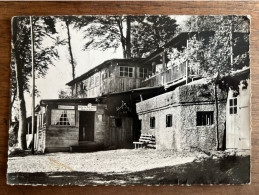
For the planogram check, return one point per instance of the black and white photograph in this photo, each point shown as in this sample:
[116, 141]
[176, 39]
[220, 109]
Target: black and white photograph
[130, 100]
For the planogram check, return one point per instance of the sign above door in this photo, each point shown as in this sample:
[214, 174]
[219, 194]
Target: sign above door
[89, 107]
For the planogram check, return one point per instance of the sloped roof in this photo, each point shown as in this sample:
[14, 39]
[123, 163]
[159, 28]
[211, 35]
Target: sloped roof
[97, 68]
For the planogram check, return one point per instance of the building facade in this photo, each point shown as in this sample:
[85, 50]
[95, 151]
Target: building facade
[188, 117]
[68, 123]
[116, 101]
[112, 76]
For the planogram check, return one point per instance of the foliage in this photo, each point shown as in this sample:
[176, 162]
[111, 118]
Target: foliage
[136, 35]
[212, 23]
[65, 94]
[44, 55]
[151, 32]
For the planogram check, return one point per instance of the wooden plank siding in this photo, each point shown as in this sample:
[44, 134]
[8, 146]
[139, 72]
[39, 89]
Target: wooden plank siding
[108, 80]
[61, 136]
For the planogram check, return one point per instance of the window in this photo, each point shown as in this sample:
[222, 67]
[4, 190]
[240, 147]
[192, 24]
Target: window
[126, 71]
[152, 122]
[204, 118]
[118, 122]
[169, 120]
[91, 80]
[63, 117]
[233, 106]
[104, 75]
[97, 80]
[82, 86]
[143, 72]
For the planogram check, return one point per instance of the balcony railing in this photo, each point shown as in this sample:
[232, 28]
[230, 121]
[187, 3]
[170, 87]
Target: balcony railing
[174, 74]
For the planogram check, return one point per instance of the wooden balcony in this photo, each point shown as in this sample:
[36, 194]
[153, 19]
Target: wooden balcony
[174, 74]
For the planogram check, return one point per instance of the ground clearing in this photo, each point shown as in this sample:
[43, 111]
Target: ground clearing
[127, 167]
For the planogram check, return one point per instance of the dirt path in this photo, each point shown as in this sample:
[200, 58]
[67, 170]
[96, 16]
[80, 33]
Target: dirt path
[113, 161]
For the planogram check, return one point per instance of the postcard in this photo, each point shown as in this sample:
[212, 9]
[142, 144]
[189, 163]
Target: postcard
[130, 100]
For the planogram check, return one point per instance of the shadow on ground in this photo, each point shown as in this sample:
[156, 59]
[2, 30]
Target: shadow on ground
[229, 170]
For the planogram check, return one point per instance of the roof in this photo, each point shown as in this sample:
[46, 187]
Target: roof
[73, 100]
[140, 90]
[100, 66]
[176, 41]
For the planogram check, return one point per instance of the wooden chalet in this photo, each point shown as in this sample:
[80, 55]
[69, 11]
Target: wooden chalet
[102, 113]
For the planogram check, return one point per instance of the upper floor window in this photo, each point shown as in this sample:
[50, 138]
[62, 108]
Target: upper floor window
[97, 80]
[82, 86]
[169, 120]
[126, 71]
[152, 122]
[91, 80]
[204, 118]
[143, 72]
[62, 117]
[233, 106]
[104, 75]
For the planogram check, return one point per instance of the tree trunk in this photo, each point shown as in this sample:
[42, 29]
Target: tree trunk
[22, 108]
[11, 106]
[122, 38]
[128, 38]
[70, 50]
[217, 115]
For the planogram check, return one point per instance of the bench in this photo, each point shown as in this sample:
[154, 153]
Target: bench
[145, 140]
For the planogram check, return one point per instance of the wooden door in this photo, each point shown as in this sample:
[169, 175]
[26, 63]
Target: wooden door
[86, 126]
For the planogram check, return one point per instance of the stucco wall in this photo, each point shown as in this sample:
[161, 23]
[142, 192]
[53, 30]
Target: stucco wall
[202, 137]
[183, 103]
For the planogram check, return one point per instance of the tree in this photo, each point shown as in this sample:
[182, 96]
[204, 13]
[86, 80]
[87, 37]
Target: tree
[216, 57]
[137, 35]
[151, 32]
[21, 60]
[211, 23]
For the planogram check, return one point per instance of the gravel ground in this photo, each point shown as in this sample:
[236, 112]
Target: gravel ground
[113, 161]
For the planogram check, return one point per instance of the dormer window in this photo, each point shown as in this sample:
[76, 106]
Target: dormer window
[126, 71]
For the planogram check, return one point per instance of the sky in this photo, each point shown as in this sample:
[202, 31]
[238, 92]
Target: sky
[61, 73]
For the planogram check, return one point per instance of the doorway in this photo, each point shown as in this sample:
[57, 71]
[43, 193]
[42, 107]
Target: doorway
[86, 126]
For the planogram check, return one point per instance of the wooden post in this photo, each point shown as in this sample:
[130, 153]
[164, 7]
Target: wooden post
[186, 71]
[141, 98]
[231, 45]
[186, 63]
[33, 84]
[164, 68]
